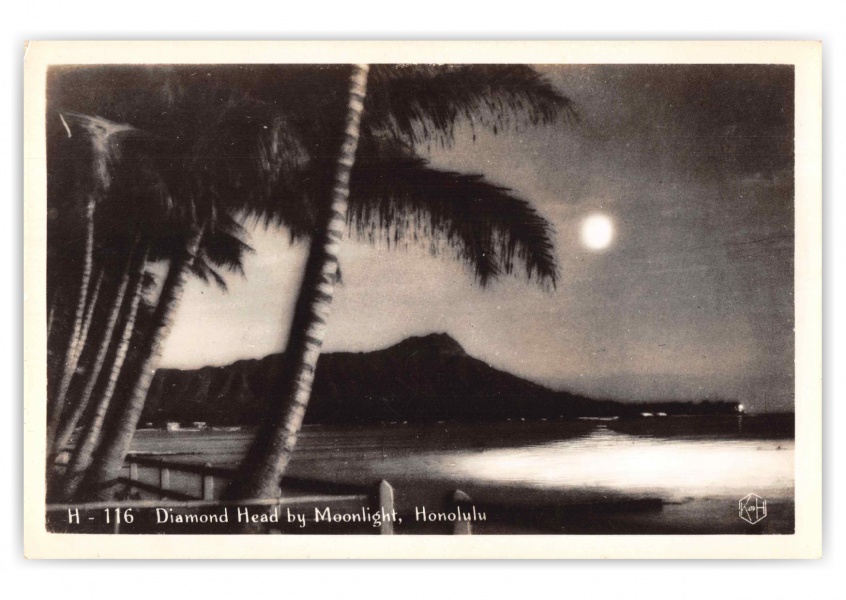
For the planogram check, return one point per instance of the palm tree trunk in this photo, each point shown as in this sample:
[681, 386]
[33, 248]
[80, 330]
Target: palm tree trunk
[84, 451]
[50, 317]
[272, 449]
[111, 323]
[56, 417]
[111, 453]
[57, 405]
[89, 315]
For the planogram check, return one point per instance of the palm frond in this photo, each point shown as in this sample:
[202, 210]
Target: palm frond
[207, 274]
[257, 140]
[224, 248]
[404, 201]
[420, 103]
[218, 146]
[117, 163]
[246, 152]
[101, 139]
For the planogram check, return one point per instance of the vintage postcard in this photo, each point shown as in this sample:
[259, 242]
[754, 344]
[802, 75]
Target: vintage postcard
[423, 300]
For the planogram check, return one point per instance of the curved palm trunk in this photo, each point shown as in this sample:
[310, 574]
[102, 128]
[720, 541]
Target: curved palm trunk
[111, 452]
[82, 456]
[71, 353]
[271, 452]
[89, 315]
[50, 316]
[70, 423]
[56, 417]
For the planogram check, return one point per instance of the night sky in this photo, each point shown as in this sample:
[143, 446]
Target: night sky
[692, 299]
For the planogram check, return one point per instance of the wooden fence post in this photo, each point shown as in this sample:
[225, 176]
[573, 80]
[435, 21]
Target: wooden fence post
[208, 484]
[460, 498]
[386, 505]
[164, 480]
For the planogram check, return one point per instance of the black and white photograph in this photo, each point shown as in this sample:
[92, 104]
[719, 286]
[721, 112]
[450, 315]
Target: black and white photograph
[546, 299]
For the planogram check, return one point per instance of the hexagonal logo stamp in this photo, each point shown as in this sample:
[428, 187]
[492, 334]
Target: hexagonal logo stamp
[752, 508]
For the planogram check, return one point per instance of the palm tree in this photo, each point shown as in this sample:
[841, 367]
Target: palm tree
[98, 141]
[99, 360]
[170, 295]
[112, 166]
[296, 118]
[87, 443]
[213, 241]
[264, 466]
[314, 304]
[211, 180]
[489, 240]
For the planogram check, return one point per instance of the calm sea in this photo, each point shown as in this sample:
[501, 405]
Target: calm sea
[649, 475]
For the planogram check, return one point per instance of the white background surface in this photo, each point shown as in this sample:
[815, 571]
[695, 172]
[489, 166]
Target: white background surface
[431, 20]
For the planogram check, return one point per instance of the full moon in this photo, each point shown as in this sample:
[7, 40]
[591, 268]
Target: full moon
[597, 232]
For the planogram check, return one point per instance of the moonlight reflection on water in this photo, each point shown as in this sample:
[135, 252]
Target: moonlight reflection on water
[670, 468]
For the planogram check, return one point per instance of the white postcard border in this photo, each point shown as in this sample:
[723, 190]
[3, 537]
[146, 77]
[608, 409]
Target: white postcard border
[805, 543]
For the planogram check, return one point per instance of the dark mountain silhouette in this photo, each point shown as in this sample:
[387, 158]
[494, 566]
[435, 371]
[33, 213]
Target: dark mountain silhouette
[420, 379]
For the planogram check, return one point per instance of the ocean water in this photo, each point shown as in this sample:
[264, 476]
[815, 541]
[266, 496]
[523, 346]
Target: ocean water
[672, 469]
[650, 475]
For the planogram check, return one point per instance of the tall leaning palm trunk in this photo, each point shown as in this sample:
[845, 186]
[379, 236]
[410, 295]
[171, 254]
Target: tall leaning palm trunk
[84, 451]
[70, 423]
[112, 450]
[56, 418]
[72, 353]
[50, 317]
[93, 297]
[276, 444]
